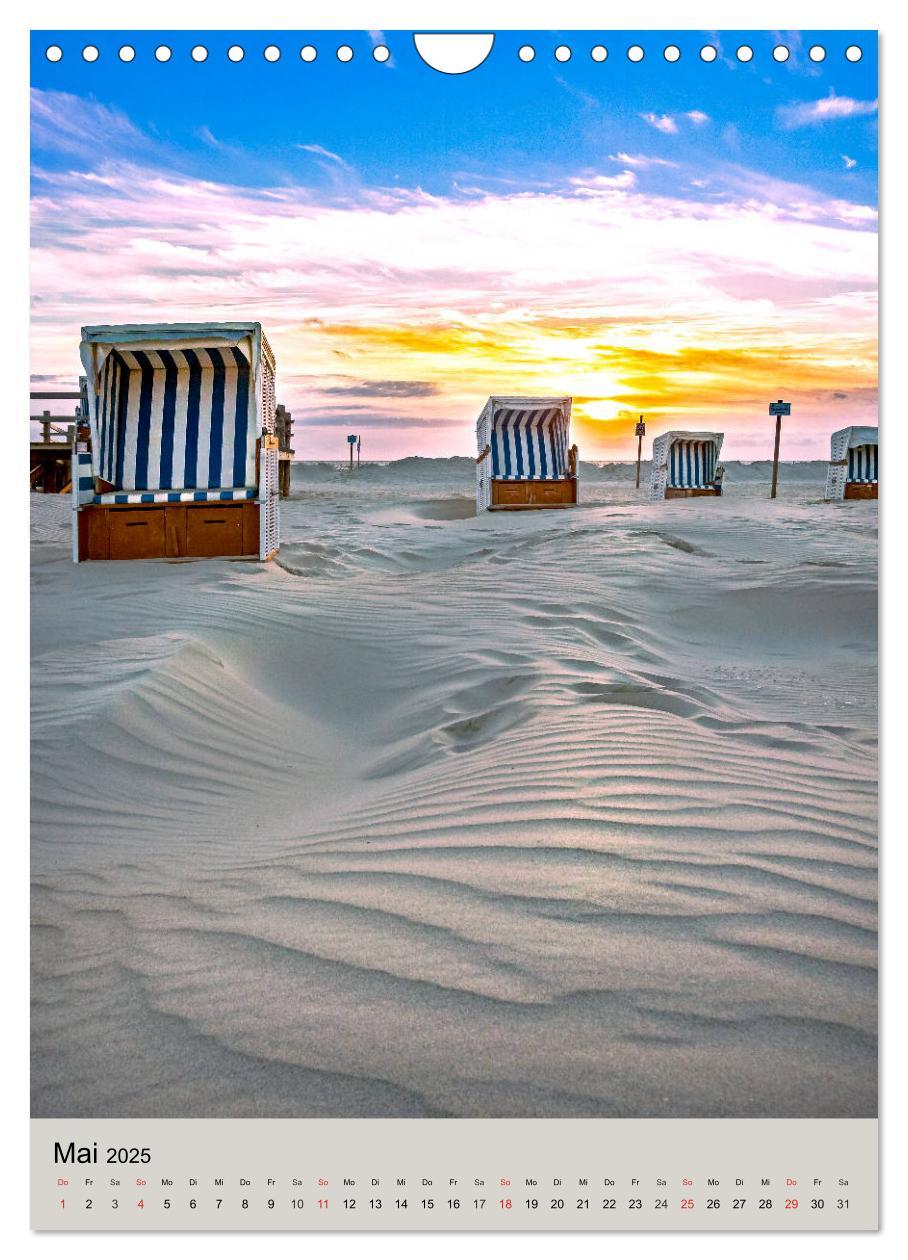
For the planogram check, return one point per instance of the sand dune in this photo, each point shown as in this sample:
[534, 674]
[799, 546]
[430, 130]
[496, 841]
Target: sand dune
[552, 813]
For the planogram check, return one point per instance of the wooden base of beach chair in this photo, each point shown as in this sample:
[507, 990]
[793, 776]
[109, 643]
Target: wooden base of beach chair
[676, 492]
[534, 494]
[860, 490]
[168, 531]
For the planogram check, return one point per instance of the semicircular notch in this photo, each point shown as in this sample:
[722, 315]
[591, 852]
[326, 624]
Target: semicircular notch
[455, 53]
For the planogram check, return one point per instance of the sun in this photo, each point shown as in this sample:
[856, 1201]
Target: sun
[603, 409]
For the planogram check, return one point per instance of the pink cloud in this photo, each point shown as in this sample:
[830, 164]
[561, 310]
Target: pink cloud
[530, 283]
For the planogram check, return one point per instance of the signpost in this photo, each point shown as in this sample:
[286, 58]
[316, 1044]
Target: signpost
[640, 430]
[353, 440]
[777, 409]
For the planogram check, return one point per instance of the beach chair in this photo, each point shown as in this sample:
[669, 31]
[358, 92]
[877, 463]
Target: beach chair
[854, 464]
[686, 465]
[524, 459]
[178, 454]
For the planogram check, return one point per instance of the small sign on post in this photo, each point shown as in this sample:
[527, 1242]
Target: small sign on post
[640, 430]
[352, 441]
[777, 409]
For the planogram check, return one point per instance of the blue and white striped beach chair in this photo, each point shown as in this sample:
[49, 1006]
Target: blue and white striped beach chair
[181, 418]
[525, 459]
[854, 464]
[686, 465]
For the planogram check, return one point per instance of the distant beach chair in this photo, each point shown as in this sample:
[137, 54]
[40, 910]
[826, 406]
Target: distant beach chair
[524, 459]
[177, 456]
[854, 464]
[686, 465]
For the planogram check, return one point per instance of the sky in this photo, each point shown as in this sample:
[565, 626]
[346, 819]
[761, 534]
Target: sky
[683, 240]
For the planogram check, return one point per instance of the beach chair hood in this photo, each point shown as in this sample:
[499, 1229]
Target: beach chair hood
[177, 406]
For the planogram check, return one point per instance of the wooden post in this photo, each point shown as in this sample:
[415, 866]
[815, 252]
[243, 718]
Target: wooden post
[775, 458]
[359, 442]
[283, 424]
[640, 430]
[45, 426]
[777, 409]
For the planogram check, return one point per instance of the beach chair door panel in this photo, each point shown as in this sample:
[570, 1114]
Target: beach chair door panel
[137, 535]
[551, 492]
[511, 494]
[215, 531]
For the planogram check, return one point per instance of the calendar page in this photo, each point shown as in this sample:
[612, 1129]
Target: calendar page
[454, 475]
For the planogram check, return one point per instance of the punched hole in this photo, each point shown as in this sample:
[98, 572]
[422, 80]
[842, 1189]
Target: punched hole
[599, 52]
[635, 53]
[562, 53]
[708, 53]
[745, 53]
[780, 53]
[53, 53]
[345, 53]
[672, 53]
[90, 53]
[272, 53]
[236, 52]
[526, 53]
[817, 53]
[854, 52]
[308, 53]
[199, 53]
[163, 53]
[381, 52]
[127, 53]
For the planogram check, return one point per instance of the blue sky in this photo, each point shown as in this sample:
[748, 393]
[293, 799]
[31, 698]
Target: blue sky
[666, 143]
[402, 122]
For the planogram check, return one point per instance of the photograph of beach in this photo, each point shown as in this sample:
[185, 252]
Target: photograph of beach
[454, 576]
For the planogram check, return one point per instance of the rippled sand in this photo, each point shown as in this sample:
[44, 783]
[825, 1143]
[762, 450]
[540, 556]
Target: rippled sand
[537, 814]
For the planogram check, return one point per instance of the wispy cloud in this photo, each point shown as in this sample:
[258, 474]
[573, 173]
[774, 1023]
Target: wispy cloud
[320, 151]
[381, 389]
[639, 160]
[668, 123]
[592, 185]
[662, 122]
[827, 109]
[73, 124]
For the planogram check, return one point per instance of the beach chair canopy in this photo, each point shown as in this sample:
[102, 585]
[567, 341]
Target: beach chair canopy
[689, 459]
[175, 410]
[685, 461]
[528, 437]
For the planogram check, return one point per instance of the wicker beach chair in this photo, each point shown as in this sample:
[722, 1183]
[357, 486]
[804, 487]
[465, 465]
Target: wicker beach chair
[177, 456]
[854, 464]
[525, 459]
[686, 465]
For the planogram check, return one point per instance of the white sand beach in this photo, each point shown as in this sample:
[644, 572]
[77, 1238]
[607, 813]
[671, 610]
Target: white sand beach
[554, 813]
